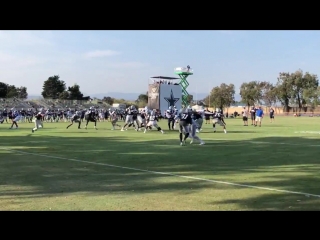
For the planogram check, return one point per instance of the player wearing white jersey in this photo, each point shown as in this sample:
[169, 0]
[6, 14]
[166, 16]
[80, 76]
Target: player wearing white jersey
[129, 117]
[176, 114]
[75, 118]
[114, 119]
[170, 114]
[38, 122]
[153, 122]
[193, 135]
[200, 120]
[16, 116]
[142, 118]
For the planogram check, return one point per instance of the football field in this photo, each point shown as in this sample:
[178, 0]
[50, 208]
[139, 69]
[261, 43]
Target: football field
[273, 167]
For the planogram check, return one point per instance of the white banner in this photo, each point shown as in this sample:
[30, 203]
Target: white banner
[170, 95]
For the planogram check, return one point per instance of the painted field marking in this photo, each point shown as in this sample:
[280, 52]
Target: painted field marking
[264, 142]
[167, 174]
[312, 132]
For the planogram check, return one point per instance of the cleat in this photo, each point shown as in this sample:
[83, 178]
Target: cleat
[202, 143]
[191, 142]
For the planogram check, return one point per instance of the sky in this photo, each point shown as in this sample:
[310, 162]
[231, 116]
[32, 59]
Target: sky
[123, 61]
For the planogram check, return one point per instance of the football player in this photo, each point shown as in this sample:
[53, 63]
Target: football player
[38, 121]
[184, 121]
[218, 119]
[114, 119]
[129, 117]
[90, 116]
[16, 116]
[153, 122]
[170, 113]
[193, 129]
[200, 120]
[75, 118]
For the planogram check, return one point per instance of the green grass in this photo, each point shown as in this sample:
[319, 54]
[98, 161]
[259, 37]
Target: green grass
[108, 174]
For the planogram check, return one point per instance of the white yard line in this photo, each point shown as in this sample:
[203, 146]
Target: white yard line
[263, 142]
[168, 174]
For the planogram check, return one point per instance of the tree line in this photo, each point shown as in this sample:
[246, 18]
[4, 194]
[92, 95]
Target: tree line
[291, 89]
[296, 89]
[11, 91]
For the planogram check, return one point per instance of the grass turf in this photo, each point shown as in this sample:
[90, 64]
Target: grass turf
[69, 169]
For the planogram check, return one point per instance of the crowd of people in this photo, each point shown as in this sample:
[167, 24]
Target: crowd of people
[187, 120]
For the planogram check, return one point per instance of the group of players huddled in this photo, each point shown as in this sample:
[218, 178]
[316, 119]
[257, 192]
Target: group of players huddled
[188, 121]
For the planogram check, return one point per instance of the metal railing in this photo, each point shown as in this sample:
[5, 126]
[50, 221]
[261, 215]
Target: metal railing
[183, 69]
[49, 103]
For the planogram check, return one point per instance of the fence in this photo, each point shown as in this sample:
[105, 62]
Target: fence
[309, 111]
[50, 103]
[63, 104]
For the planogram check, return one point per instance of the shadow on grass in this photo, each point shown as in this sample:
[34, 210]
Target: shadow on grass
[290, 164]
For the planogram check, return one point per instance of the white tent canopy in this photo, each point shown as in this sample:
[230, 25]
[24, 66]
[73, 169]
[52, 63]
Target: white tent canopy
[196, 107]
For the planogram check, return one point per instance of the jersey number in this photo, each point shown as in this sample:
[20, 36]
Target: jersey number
[184, 116]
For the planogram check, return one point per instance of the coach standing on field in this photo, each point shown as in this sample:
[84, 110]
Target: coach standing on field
[259, 116]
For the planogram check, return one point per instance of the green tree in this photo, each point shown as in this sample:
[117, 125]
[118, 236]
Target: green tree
[268, 93]
[221, 96]
[74, 92]
[312, 97]
[64, 95]
[189, 98]
[207, 100]
[3, 90]
[300, 83]
[12, 91]
[284, 90]
[22, 92]
[250, 92]
[142, 98]
[108, 100]
[53, 87]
